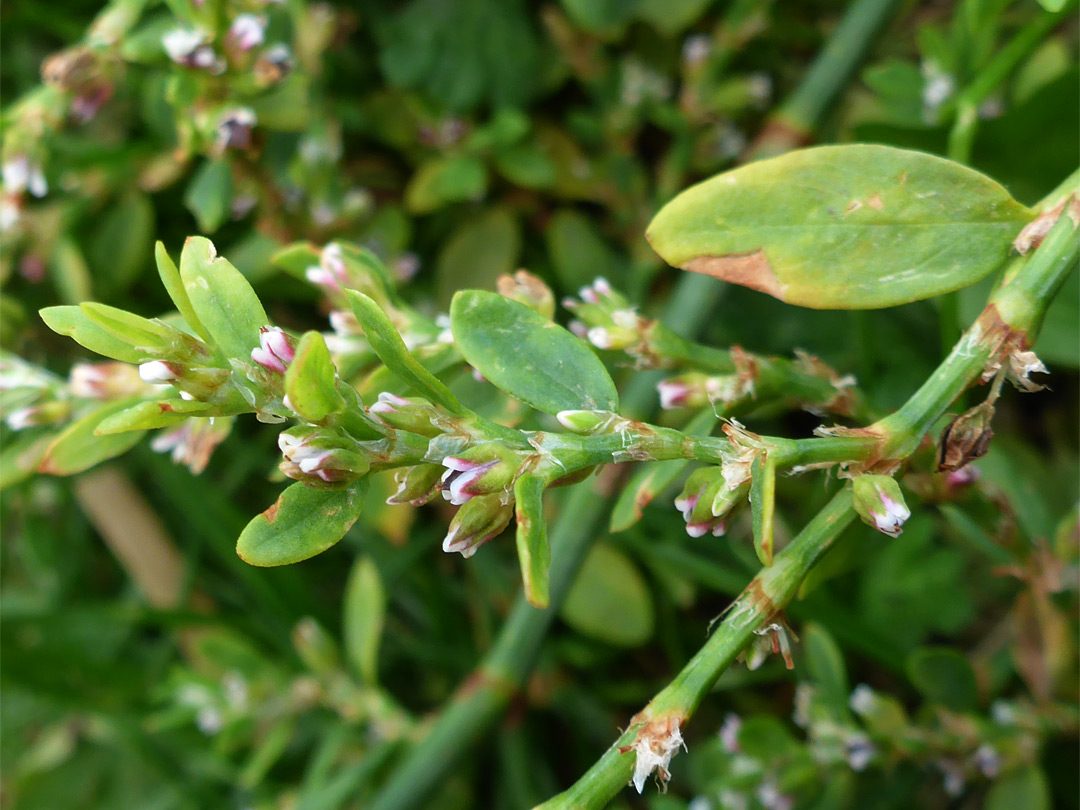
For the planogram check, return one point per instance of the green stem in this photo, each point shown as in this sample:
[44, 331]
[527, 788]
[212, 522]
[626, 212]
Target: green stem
[766, 595]
[483, 698]
[794, 121]
[1019, 306]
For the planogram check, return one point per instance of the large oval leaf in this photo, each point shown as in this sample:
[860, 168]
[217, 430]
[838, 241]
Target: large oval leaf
[842, 227]
[609, 600]
[303, 522]
[529, 357]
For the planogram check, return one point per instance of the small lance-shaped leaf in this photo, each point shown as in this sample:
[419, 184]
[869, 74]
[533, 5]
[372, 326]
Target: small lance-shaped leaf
[763, 505]
[78, 447]
[365, 614]
[311, 380]
[73, 322]
[222, 299]
[151, 415]
[652, 479]
[843, 227]
[303, 522]
[524, 354]
[391, 349]
[174, 286]
[130, 328]
[534, 552]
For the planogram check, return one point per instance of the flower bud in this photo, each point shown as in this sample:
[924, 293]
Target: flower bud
[273, 65]
[414, 415]
[476, 522]
[612, 338]
[20, 174]
[160, 372]
[193, 441]
[880, 504]
[965, 438]
[529, 290]
[106, 380]
[234, 130]
[705, 502]
[482, 470]
[313, 455]
[186, 47]
[416, 485]
[684, 391]
[44, 413]
[586, 423]
[247, 31]
[275, 350]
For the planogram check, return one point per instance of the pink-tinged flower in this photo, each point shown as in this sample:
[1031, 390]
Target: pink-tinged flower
[476, 522]
[311, 455]
[962, 478]
[275, 350]
[247, 31]
[331, 271]
[705, 502]
[674, 393]
[186, 47]
[461, 479]
[105, 380]
[193, 441]
[159, 372]
[729, 733]
[414, 415]
[880, 504]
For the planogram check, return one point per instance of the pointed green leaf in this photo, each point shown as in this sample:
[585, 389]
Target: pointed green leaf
[73, 322]
[311, 380]
[843, 227]
[78, 447]
[303, 522]
[825, 664]
[388, 345]
[763, 505]
[174, 286]
[131, 328]
[365, 614]
[222, 299]
[1027, 788]
[20, 456]
[534, 552]
[529, 357]
[151, 415]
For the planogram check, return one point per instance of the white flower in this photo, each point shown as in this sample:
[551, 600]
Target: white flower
[20, 175]
[180, 43]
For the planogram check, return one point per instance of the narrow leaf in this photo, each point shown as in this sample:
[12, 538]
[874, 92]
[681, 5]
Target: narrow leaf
[365, 614]
[524, 354]
[174, 286]
[303, 522]
[151, 415]
[762, 506]
[388, 345]
[843, 227]
[534, 553]
[74, 323]
[129, 327]
[222, 299]
[311, 380]
[78, 447]
[944, 677]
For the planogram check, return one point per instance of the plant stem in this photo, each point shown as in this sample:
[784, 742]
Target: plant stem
[792, 124]
[762, 599]
[1019, 305]
[483, 697]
